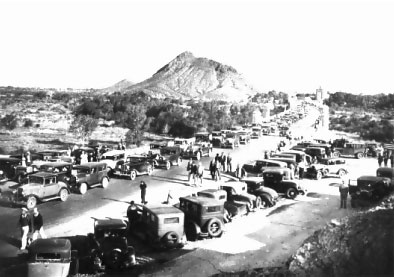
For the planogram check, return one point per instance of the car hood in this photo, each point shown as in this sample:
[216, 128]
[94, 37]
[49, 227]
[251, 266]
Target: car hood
[270, 191]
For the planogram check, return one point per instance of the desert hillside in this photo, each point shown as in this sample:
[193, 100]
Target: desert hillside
[189, 77]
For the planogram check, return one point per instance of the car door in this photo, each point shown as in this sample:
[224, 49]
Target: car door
[51, 187]
[94, 175]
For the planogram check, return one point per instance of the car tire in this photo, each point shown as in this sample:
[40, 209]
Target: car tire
[336, 154]
[168, 165]
[83, 188]
[319, 175]
[265, 202]
[249, 207]
[291, 193]
[170, 240]
[133, 175]
[104, 183]
[31, 202]
[192, 231]
[214, 227]
[63, 194]
[359, 155]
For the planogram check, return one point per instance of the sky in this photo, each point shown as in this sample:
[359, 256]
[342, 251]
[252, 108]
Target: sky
[289, 46]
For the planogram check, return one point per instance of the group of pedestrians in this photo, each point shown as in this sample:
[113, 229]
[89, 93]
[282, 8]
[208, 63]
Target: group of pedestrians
[30, 223]
[221, 163]
[384, 156]
[195, 172]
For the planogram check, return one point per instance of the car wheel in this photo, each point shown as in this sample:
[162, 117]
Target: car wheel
[83, 188]
[359, 155]
[258, 203]
[214, 227]
[319, 175]
[63, 195]
[31, 202]
[335, 154]
[104, 183]
[341, 172]
[192, 231]
[168, 165]
[133, 175]
[291, 193]
[149, 170]
[249, 207]
[170, 240]
[265, 202]
[325, 172]
[198, 156]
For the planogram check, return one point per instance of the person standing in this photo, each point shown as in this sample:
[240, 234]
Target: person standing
[344, 191]
[217, 170]
[223, 159]
[200, 172]
[24, 224]
[38, 224]
[143, 187]
[189, 169]
[193, 172]
[266, 156]
[301, 168]
[132, 213]
[229, 163]
[392, 160]
[212, 169]
[28, 158]
[385, 158]
[380, 159]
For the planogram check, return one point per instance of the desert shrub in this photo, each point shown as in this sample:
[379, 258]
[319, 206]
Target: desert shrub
[9, 121]
[28, 123]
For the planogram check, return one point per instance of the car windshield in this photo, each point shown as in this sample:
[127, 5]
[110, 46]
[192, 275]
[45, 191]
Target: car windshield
[387, 174]
[134, 159]
[167, 151]
[36, 179]
[82, 170]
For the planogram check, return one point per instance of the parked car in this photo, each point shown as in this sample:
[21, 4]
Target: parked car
[51, 257]
[301, 156]
[318, 152]
[244, 137]
[237, 192]
[255, 185]
[336, 166]
[169, 155]
[278, 179]
[387, 172]
[203, 138]
[230, 141]
[217, 138]
[22, 171]
[109, 247]
[111, 158]
[62, 170]
[204, 217]
[197, 151]
[353, 149]
[41, 187]
[56, 156]
[158, 225]
[183, 143]
[231, 209]
[289, 161]
[90, 175]
[257, 167]
[134, 166]
[369, 189]
[256, 132]
[8, 167]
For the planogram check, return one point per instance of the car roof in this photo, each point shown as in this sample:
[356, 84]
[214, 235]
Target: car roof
[44, 174]
[55, 164]
[371, 178]
[89, 165]
[252, 179]
[9, 159]
[163, 209]
[114, 152]
[49, 245]
[385, 169]
[202, 200]
[277, 169]
[112, 223]
[294, 152]
[332, 159]
[281, 159]
[52, 151]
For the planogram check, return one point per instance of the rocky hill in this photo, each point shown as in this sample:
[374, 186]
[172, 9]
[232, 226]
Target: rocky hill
[119, 86]
[189, 77]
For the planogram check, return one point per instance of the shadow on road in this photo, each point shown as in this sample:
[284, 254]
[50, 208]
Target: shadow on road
[280, 209]
[171, 180]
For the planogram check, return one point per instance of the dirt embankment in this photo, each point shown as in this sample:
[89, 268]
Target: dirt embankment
[360, 245]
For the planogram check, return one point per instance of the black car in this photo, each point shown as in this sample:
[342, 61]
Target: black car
[8, 166]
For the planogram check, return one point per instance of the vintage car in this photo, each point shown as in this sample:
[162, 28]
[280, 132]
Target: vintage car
[301, 156]
[203, 138]
[90, 175]
[197, 151]
[353, 149]
[8, 167]
[169, 155]
[317, 152]
[134, 166]
[217, 138]
[111, 158]
[279, 180]
[22, 171]
[183, 143]
[204, 217]
[257, 167]
[63, 171]
[56, 156]
[237, 192]
[256, 132]
[51, 257]
[268, 196]
[230, 141]
[332, 166]
[231, 209]
[244, 137]
[161, 226]
[387, 172]
[40, 187]
[369, 189]
[109, 247]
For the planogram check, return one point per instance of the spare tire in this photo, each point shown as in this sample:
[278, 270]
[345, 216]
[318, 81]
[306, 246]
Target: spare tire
[214, 227]
[170, 240]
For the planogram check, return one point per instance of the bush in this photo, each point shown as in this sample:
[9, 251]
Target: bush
[28, 123]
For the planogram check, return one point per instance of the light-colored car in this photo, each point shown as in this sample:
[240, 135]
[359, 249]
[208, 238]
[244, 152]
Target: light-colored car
[112, 157]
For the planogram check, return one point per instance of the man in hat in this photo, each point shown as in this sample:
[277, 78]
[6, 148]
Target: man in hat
[132, 212]
[24, 224]
[143, 187]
